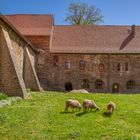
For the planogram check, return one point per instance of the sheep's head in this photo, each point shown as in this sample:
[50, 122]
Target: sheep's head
[97, 108]
[110, 112]
[79, 107]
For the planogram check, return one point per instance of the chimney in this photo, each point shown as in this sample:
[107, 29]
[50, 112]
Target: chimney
[133, 28]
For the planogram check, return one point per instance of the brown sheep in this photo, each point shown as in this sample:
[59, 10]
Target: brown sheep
[89, 104]
[72, 104]
[111, 107]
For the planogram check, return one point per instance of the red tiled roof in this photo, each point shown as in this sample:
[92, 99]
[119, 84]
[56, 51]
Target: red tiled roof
[94, 39]
[32, 24]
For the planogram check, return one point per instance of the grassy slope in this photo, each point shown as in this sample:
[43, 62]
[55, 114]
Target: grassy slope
[42, 117]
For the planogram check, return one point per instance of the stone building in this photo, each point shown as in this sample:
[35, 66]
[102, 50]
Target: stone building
[17, 61]
[96, 58]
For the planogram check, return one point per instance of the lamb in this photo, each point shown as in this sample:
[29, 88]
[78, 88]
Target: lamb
[111, 107]
[72, 104]
[89, 104]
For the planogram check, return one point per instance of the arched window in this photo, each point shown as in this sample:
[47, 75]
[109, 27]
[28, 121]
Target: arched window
[82, 65]
[55, 60]
[67, 64]
[99, 84]
[85, 83]
[101, 67]
[130, 84]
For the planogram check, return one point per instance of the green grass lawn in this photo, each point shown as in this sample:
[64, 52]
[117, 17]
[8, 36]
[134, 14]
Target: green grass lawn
[42, 117]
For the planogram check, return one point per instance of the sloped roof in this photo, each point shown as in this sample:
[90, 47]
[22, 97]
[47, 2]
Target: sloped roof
[94, 39]
[32, 24]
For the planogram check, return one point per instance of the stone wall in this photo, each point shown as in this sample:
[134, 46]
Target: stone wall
[55, 77]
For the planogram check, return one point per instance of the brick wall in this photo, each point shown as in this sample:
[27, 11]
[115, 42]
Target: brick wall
[54, 78]
[11, 81]
[40, 42]
[12, 66]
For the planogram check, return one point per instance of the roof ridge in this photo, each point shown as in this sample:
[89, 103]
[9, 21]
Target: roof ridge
[29, 14]
[95, 25]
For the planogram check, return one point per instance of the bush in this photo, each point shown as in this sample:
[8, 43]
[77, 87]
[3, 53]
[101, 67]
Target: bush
[2, 96]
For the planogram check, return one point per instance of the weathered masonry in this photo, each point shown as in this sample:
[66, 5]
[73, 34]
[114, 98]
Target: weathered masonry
[17, 62]
[97, 58]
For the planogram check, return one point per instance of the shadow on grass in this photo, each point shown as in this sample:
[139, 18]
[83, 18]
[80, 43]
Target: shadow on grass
[106, 114]
[78, 113]
[84, 113]
[63, 112]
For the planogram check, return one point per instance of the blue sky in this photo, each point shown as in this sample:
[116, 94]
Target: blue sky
[115, 12]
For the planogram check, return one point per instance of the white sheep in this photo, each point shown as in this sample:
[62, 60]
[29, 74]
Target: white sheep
[89, 104]
[111, 107]
[72, 104]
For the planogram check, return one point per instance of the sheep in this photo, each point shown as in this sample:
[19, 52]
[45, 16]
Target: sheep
[111, 107]
[89, 104]
[72, 104]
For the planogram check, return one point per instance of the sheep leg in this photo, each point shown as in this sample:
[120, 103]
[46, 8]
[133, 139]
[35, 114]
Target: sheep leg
[73, 109]
[66, 109]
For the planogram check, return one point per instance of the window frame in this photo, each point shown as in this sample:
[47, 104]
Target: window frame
[130, 84]
[55, 60]
[126, 66]
[68, 64]
[82, 65]
[118, 66]
[101, 67]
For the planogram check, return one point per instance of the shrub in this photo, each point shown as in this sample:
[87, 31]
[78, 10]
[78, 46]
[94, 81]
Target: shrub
[2, 96]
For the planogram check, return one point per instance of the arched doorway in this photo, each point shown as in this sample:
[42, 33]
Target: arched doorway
[68, 86]
[115, 88]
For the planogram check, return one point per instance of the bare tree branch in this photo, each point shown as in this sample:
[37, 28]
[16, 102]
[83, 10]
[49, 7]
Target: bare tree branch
[82, 14]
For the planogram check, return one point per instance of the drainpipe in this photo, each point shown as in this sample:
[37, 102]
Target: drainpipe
[108, 73]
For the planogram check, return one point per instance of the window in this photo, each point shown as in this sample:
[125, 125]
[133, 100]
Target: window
[118, 66]
[82, 65]
[55, 60]
[67, 64]
[130, 84]
[99, 84]
[126, 67]
[101, 68]
[85, 83]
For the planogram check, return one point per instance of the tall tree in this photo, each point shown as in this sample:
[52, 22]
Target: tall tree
[83, 14]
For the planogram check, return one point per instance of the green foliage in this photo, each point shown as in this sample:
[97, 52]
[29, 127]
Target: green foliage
[2, 96]
[83, 14]
[42, 117]
[29, 90]
[9, 101]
